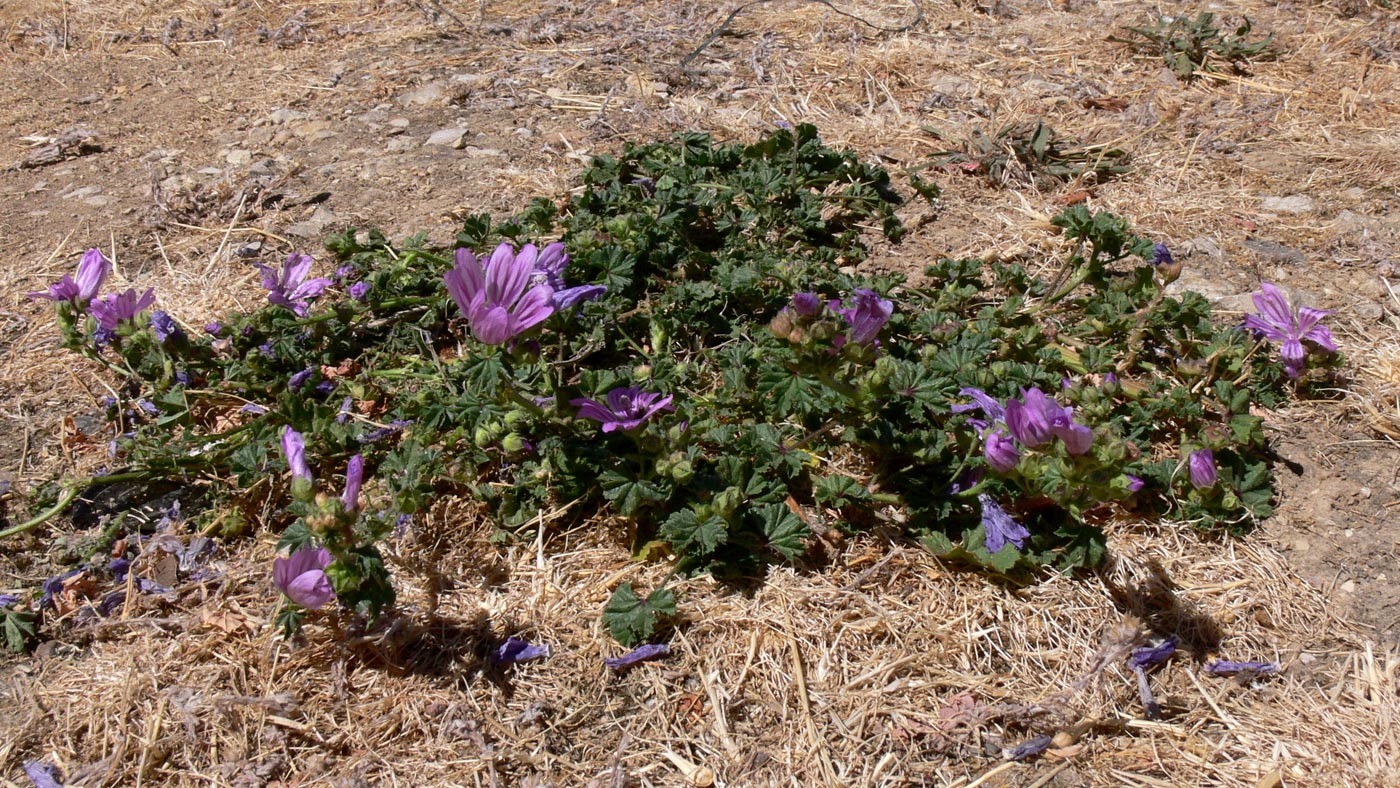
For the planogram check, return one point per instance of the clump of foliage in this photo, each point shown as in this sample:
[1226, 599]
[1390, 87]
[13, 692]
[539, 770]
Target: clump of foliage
[1031, 152]
[699, 357]
[1190, 45]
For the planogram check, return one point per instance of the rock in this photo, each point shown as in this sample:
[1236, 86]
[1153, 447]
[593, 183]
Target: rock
[427, 94]
[239, 157]
[1293, 203]
[82, 193]
[471, 80]
[1369, 310]
[447, 138]
[1274, 251]
[1204, 245]
[284, 115]
[399, 144]
[1352, 222]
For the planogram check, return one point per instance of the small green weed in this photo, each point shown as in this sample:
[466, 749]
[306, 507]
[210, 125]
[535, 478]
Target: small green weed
[1191, 45]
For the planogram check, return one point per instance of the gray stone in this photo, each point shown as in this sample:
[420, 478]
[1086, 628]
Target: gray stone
[239, 157]
[1293, 203]
[452, 138]
[427, 94]
[285, 115]
[1273, 251]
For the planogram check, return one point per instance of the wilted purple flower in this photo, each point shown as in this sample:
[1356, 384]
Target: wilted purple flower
[294, 449]
[253, 408]
[54, 585]
[1161, 255]
[393, 428]
[495, 299]
[806, 304]
[345, 273]
[1279, 321]
[267, 351]
[517, 650]
[1223, 667]
[983, 402]
[1000, 450]
[291, 288]
[572, 296]
[638, 654]
[182, 377]
[214, 328]
[343, 415]
[8, 600]
[1202, 467]
[147, 406]
[165, 326]
[998, 527]
[114, 309]
[296, 381]
[866, 315]
[354, 477]
[91, 272]
[302, 577]
[325, 387]
[360, 291]
[1134, 483]
[1145, 657]
[1030, 747]
[42, 774]
[1036, 416]
[627, 408]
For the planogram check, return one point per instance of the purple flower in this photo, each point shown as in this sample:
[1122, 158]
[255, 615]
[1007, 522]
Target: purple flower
[165, 326]
[42, 774]
[627, 408]
[291, 288]
[360, 291]
[866, 315]
[393, 428]
[147, 406]
[7, 600]
[806, 304]
[572, 296]
[638, 654]
[91, 272]
[302, 577]
[297, 381]
[253, 408]
[497, 300]
[325, 387]
[294, 449]
[1000, 450]
[998, 527]
[343, 415]
[354, 477]
[517, 650]
[214, 328]
[1279, 321]
[114, 309]
[345, 273]
[983, 402]
[1222, 667]
[548, 263]
[1202, 466]
[1134, 483]
[1036, 417]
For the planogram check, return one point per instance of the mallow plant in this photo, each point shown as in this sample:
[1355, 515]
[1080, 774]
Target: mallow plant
[688, 345]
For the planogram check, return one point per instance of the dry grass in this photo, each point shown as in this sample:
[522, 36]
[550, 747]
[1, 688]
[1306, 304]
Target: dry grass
[883, 668]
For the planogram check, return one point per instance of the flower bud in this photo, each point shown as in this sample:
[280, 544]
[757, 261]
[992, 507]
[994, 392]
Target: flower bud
[781, 325]
[682, 471]
[641, 373]
[1202, 469]
[513, 442]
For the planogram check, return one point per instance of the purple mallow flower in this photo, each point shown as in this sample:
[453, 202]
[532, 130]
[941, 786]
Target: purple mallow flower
[42, 774]
[1036, 417]
[866, 315]
[360, 291]
[294, 449]
[638, 654]
[627, 408]
[302, 577]
[290, 288]
[497, 299]
[517, 650]
[91, 272]
[806, 304]
[114, 309]
[1202, 468]
[1000, 450]
[298, 380]
[573, 296]
[380, 433]
[165, 326]
[1223, 667]
[8, 600]
[343, 415]
[1134, 483]
[1028, 748]
[998, 527]
[214, 328]
[354, 477]
[983, 402]
[548, 264]
[1145, 657]
[1161, 255]
[1280, 322]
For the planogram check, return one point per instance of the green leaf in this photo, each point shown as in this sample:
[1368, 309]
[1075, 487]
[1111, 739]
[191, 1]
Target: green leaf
[630, 495]
[785, 531]
[631, 619]
[690, 534]
[21, 627]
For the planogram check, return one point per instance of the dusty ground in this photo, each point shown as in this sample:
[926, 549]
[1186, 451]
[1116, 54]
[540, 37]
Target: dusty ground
[238, 130]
